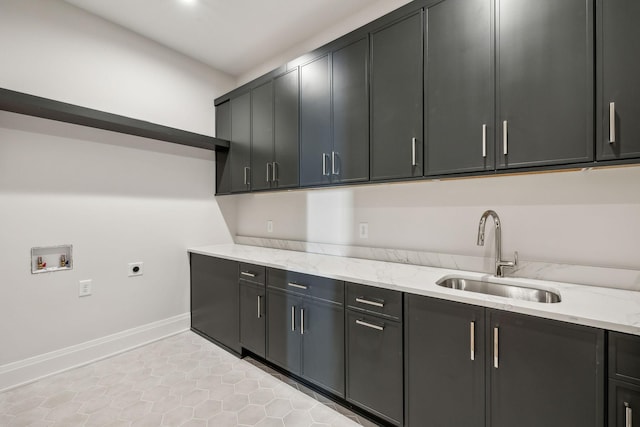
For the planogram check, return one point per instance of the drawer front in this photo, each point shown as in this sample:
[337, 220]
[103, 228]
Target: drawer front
[252, 273]
[376, 300]
[624, 357]
[305, 284]
[624, 405]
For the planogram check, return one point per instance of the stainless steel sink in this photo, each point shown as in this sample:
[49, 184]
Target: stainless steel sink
[500, 289]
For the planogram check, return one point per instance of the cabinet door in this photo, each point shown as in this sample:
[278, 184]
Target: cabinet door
[283, 330]
[322, 332]
[444, 363]
[619, 68]
[262, 136]
[315, 122]
[223, 164]
[240, 150]
[624, 405]
[544, 372]
[350, 154]
[459, 87]
[214, 299]
[286, 93]
[396, 100]
[545, 82]
[374, 365]
[252, 318]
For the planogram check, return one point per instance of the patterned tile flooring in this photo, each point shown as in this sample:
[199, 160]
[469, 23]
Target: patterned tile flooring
[183, 380]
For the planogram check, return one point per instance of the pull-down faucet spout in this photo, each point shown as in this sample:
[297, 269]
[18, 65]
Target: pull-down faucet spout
[500, 264]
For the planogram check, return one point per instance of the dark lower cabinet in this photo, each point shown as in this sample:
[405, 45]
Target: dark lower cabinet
[624, 404]
[472, 366]
[214, 299]
[253, 317]
[283, 334]
[374, 365]
[624, 380]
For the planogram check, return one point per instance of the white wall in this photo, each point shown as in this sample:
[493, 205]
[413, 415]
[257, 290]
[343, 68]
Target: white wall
[581, 218]
[116, 198]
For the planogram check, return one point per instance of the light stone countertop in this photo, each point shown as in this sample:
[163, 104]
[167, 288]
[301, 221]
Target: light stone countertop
[606, 308]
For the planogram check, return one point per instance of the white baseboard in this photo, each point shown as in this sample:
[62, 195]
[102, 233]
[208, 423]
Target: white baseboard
[34, 368]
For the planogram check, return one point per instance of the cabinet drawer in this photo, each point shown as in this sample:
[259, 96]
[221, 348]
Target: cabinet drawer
[305, 284]
[624, 357]
[377, 300]
[252, 273]
[624, 405]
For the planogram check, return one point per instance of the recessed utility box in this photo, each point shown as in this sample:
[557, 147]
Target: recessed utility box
[51, 258]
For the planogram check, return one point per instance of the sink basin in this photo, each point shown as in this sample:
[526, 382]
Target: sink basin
[500, 289]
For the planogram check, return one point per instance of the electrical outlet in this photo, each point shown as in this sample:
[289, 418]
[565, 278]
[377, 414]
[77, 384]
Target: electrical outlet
[269, 226]
[363, 229]
[135, 269]
[84, 288]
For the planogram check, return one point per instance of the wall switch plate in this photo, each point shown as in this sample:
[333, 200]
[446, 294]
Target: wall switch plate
[363, 230]
[84, 288]
[269, 226]
[135, 269]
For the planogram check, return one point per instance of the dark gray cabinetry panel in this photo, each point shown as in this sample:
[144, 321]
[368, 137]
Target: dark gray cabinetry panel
[545, 82]
[283, 330]
[459, 89]
[624, 404]
[223, 131]
[285, 110]
[396, 100]
[624, 380]
[262, 136]
[544, 373]
[253, 317]
[350, 101]
[240, 151]
[315, 122]
[374, 364]
[618, 83]
[214, 299]
[445, 382]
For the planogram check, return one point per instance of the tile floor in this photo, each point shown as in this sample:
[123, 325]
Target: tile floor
[183, 380]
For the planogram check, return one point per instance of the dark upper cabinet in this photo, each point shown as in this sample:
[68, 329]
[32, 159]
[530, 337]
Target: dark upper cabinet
[350, 113]
[223, 131]
[214, 299]
[262, 136]
[240, 151]
[618, 107]
[544, 372]
[444, 363]
[396, 99]
[459, 88]
[315, 122]
[544, 82]
[286, 111]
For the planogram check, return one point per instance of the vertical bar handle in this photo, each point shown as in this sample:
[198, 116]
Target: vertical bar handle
[628, 415]
[484, 141]
[495, 347]
[268, 173]
[413, 152]
[293, 318]
[334, 171]
[324, 164]
[472, 339]
[302, 321]
[246, 175]
[274, 170]
[259, 306]
[505, 138]
[612, 122]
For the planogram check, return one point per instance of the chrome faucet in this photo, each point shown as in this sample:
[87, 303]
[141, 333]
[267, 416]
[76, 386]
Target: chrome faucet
[500, 264]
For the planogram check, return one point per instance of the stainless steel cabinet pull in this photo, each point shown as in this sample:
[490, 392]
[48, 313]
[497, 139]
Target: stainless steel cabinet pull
[413, 152]
[505, 138]
[366, 301]
[259, 306]
[295, 285]
[628, 415]
[612, 122]
[334, 171]
[472, 339]
[484, 140]
[268, 173]
[246, 175]
[370, 325]
[293, 318]
[248, 274]
[274, 169]
[302, 321]
[325, 156]
[495, 347]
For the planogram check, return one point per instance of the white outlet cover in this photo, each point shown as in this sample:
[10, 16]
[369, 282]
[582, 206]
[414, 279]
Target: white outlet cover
[135, 269]
[363, 230]
[269, 226]
[84, 288]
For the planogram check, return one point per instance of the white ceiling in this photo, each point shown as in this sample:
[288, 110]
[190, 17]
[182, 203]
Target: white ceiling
[233, 36]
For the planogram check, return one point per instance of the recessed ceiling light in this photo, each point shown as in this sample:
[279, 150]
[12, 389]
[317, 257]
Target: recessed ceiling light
[188, 1]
